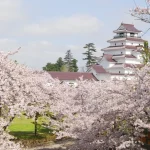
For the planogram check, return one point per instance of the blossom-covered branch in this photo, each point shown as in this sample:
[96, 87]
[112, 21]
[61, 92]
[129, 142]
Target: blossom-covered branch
[142, 14]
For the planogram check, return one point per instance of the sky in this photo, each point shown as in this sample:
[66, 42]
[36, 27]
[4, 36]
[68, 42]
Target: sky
[46, 29]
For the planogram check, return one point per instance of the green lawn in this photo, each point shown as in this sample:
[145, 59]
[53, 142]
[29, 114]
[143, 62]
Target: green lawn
[21, 124]
[23, 128]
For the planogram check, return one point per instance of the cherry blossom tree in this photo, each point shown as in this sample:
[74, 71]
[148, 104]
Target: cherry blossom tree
[99, 115]
[21, 91]
[104, 115]
[5, 138]
[140, 13]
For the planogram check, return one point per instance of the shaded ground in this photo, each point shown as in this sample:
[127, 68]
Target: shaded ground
[62, 145]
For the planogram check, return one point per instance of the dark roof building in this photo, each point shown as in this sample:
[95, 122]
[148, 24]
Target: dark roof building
[72, 76]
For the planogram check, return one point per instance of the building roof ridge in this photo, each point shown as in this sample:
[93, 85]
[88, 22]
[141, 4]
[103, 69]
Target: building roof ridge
[72, 75]
[127, 24]
[128, 27]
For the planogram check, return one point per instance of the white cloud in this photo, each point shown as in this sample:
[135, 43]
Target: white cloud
[38, 53]
[35, 54]
[10, 10]
[76, 24]
[11, 17]
[8, 44]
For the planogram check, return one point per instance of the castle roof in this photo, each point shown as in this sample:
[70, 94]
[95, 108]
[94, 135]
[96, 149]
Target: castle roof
[126, 39]
[127, 28]
[120, 47]
[98, 69]
[72, 75]
[108, 57]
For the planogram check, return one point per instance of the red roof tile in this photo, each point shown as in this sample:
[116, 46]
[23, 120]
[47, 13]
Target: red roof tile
[127, 38]
[99, 69]
[128, 65]
[130, 47]
[130, 27]
[130, 56]
[122, 46]
[109, 58]
[140, 51]
[72, 75]
[135, 39]
[133, 65]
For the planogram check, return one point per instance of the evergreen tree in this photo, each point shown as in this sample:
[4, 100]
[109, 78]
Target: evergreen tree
[146, 53]
[69, 64]
[59, 63]
[89, 54]
[68, 60]
[74, 65]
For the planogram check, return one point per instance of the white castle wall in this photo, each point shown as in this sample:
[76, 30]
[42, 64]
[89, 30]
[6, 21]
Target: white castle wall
[114, 52]
[138, 56]
[120, 70]
[128, 52]
[132, 61]
[134, 43]
[120, 43]
[102, 76]
[118, 52]
[105, 63]
[116, 70]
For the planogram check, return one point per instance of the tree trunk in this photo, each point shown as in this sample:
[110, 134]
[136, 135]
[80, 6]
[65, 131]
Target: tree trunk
[35, 123]
[11, 119]
[0, 111]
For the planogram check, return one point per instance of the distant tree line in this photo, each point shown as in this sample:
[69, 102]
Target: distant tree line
[69, 63]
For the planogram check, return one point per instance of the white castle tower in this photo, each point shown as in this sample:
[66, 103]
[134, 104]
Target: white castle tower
[124, 52]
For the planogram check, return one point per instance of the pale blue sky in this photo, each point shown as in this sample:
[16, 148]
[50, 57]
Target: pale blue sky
[46, 29]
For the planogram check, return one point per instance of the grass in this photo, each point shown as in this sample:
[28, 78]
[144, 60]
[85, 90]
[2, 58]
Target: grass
[23, 128]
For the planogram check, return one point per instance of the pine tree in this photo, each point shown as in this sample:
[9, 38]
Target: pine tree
[89, 54]
[74, 65]
[59, 63]
[68, 60]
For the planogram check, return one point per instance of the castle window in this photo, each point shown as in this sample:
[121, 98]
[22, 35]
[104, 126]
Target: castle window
[121, 52]
[132, 34]
[115, 44]
[119, 71]
[122, 43]
[121, 34]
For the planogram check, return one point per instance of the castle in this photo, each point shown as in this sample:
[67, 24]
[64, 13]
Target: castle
[121, 55]
[118, 60]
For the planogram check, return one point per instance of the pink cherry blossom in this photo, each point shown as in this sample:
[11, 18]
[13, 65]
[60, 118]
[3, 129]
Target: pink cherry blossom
[142, 14]
[98, 114]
